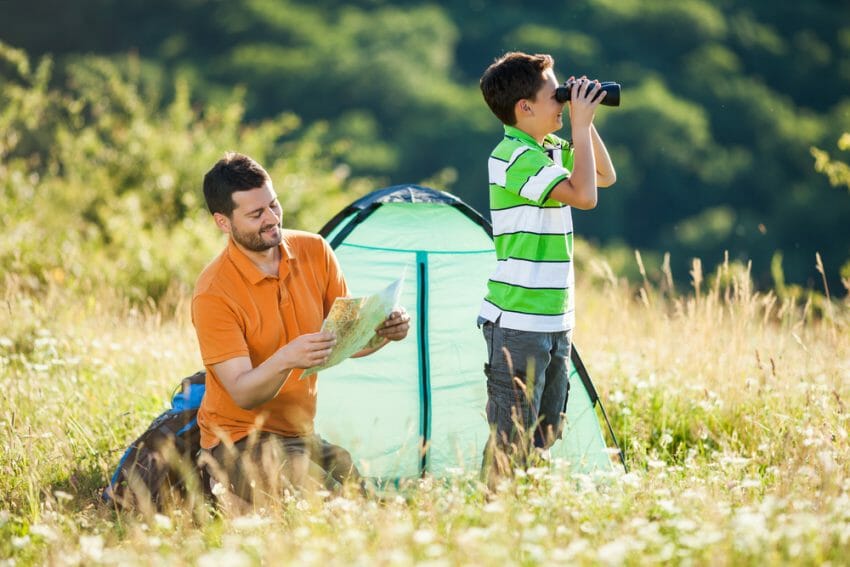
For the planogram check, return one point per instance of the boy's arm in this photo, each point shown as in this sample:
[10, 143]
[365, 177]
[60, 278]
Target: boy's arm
[605, 173]
[579, 189]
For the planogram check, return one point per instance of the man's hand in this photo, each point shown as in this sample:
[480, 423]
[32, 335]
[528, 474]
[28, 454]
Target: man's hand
[306, 351]
[395, 326]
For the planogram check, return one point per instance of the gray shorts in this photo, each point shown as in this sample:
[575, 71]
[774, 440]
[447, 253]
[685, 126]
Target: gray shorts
[527, 382]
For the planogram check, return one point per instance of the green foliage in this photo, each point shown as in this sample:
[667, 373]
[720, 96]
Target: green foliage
[836, 170]
[838, 173]
[722, 101]
[101, 179]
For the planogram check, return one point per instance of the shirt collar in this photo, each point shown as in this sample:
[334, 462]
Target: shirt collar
[514, 132]
[250, 270]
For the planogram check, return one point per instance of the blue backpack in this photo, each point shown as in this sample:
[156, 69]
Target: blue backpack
[162, 464]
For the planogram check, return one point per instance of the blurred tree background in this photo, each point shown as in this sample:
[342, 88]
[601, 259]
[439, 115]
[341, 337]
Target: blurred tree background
[111, 111]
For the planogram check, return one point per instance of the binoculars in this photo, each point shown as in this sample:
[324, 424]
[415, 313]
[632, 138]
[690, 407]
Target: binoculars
[562, 93]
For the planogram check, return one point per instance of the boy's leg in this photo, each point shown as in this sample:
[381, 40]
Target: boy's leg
[555, 391]
[517, 362]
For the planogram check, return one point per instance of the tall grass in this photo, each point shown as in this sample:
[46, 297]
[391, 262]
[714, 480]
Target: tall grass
[731, 405]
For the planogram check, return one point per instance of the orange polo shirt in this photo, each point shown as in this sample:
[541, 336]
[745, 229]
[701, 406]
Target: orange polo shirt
[238, 310]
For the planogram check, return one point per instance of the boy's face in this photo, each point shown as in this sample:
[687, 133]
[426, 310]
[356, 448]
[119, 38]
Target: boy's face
[545, 114]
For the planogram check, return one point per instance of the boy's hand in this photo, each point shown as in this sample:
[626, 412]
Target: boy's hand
[584, 98]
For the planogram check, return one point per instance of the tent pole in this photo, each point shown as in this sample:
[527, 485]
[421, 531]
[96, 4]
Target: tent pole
[424, 359]
[594, 399]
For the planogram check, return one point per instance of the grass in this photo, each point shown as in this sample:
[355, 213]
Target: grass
[731, 405]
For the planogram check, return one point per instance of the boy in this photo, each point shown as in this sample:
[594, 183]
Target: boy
[528, 314]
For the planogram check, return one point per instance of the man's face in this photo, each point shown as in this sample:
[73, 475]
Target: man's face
[256, 220]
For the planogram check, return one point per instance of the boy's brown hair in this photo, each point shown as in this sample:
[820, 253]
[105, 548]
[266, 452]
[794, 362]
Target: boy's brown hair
[513, 76]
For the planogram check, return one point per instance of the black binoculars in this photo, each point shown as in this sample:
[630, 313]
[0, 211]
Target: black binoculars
[562, 93]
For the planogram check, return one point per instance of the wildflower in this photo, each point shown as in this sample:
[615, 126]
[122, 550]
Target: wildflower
[494, 507]
[162, 522]
[251, 522]
[423, 536]
[45, 532]
[19, 542]
[229, 557]
[614, 552]
[92, 547]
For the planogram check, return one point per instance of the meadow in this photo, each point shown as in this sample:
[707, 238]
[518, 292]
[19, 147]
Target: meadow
[730, 404]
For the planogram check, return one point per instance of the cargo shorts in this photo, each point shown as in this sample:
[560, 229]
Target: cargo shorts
[527, 383]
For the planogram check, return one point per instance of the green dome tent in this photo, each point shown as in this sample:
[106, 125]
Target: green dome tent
[417, 406]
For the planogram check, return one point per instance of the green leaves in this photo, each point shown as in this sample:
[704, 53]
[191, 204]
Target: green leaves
[101, 177]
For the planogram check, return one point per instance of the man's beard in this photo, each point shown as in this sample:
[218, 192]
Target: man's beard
[254, 241]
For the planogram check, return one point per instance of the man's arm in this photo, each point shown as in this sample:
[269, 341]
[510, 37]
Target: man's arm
[605, 173]
[250, 387]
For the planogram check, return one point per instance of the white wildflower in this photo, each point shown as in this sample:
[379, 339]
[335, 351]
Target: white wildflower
[19, 542]
[43, 531]
[614, 552]
[253, 522]
[301, 533]
[471, 536]
[534, 551]
[494, 507]
[229, 557]
[668, 506]
[576, 548]
[734, 460]
[536, 533]
[162, 522]
[62, 495]
[538, 472]
[92, 547]
[423, 536]
[631, 479]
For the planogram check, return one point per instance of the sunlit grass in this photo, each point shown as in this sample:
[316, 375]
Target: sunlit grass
[731, 405]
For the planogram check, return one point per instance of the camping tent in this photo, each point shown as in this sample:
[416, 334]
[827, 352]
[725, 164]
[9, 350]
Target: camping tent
[417, 406]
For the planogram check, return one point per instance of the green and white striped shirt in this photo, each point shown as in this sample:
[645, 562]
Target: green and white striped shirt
[531, 288]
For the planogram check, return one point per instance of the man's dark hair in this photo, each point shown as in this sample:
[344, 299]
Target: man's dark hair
[234, 172]
[513, 76]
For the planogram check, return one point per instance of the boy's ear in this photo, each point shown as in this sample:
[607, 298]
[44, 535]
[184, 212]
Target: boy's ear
[522, 107]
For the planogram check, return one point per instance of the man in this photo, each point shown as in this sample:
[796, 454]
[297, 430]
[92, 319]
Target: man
[257, 310]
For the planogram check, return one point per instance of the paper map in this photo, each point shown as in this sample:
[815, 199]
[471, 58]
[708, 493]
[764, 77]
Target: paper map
[354, 320]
